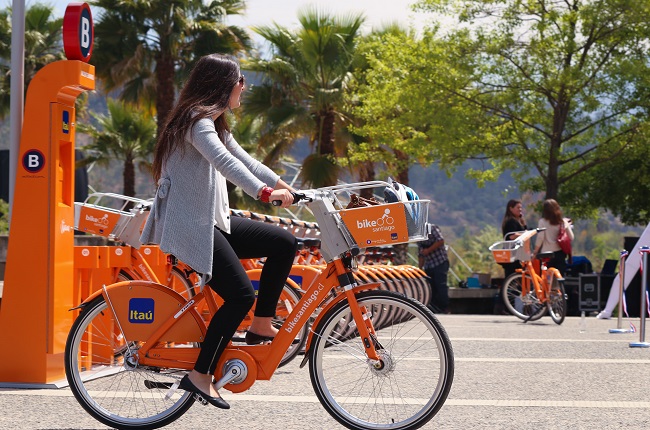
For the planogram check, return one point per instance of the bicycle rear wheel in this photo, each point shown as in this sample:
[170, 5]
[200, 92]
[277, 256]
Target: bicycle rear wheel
[527, 307]
[557, 301]
[416, 372]
[108, 384]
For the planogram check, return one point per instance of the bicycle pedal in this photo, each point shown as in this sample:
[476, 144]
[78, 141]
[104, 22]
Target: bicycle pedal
[160, 385]
[200, 399]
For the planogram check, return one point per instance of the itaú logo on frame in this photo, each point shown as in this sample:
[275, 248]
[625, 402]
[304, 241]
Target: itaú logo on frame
[383, 223]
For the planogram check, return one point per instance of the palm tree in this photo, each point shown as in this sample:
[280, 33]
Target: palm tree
[125, 134]
[142, 45]
[304, 87]
[43, 45]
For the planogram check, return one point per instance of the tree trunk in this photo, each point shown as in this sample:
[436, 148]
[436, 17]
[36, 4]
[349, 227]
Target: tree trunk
[164, 88]
[560, 115]
[129, 177]
[326, 132]
[402, 165]
[366, 173]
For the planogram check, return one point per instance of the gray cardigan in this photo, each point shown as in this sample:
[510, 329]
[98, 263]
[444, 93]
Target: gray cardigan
[192, 197]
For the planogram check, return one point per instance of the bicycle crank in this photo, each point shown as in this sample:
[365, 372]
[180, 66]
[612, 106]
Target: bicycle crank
[234, 372]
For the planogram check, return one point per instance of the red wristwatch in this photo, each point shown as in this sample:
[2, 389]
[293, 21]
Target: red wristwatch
[266, 194]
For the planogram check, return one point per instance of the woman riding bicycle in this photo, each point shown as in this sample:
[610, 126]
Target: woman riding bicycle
[551, 222]
[194, 156]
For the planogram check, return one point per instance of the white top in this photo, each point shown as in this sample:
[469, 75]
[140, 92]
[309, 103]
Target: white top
[548, 237]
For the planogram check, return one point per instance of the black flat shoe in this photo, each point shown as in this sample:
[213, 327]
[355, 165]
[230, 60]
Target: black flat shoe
[256, 339]
[187, 385]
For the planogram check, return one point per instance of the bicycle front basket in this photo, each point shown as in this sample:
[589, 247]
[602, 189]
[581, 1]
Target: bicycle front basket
[506, 251]
[387, 224]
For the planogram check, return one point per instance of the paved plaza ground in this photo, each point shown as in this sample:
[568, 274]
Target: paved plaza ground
[509, 375]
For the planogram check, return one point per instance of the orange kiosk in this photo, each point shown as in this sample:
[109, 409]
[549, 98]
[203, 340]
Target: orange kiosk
[39, 276]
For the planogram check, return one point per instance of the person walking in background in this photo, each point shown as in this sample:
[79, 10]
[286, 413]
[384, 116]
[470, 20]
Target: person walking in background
[547, 240]
[512, 225]
[433, 259]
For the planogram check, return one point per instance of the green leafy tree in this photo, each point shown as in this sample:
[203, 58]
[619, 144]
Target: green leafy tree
[141, 46]
[124, 134]
[304, 88]
[622, 185]
[43, 45]
[4, 217]
[548, 89]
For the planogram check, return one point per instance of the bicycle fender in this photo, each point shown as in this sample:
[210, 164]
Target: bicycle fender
[142, 307]
[328, 306]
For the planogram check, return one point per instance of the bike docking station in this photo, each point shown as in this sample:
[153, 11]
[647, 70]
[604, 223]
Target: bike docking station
[39, 287]
[644, 297]
[621, 298]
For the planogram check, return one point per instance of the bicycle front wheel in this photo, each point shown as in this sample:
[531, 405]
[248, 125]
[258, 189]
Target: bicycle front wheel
[527, 306]
[409, 385]
[557, 301]
[109, 384]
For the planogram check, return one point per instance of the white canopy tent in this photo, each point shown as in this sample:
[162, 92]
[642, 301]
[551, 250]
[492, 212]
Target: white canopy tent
[632, 265]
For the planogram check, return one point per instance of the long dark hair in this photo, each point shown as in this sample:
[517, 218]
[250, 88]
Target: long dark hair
[508, 215]
[551, 212]
[206, 93]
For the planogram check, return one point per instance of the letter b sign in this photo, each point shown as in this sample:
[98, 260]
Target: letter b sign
[78, 32]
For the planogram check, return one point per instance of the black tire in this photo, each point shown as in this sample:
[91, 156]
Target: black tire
[557, 305]
[417, 362]
[527, 308]
[107, 386]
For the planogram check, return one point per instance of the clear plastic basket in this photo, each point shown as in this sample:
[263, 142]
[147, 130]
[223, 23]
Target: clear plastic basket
[387, 224]
[509, 251]
[347, 229]
[110, 215]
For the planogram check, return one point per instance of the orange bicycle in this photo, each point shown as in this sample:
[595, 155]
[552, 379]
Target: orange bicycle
[133, 341]
[526, 294]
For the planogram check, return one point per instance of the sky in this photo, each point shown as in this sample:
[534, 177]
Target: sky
[284, 12]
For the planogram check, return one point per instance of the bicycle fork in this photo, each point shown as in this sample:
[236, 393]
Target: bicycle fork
[362, 318]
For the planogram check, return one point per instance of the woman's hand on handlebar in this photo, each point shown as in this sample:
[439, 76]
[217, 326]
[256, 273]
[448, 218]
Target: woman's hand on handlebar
[295, 198]
[281, 197]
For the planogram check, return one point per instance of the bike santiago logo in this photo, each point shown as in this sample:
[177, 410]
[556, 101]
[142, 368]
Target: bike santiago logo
[100, 223]
[383, 223]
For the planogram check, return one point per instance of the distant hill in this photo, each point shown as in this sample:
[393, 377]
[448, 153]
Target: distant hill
[457, 203]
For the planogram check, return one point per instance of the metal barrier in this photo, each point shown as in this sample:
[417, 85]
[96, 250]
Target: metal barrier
[621, 296]
[644, 308]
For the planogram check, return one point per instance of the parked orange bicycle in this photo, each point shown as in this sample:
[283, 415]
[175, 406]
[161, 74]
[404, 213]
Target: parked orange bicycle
[526, 294]
[133, 341]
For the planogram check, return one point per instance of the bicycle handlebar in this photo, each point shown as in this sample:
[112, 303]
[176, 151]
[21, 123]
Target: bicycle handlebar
[297, 197]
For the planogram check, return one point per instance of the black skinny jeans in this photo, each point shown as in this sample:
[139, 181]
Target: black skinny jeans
[247, 239]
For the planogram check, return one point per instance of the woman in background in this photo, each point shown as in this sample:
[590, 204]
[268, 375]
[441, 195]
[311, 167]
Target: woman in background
[547, 240]
[511, 227]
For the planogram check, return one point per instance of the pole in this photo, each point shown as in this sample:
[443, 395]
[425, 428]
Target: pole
[621, 275]
[17, 95]
[644, 285]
